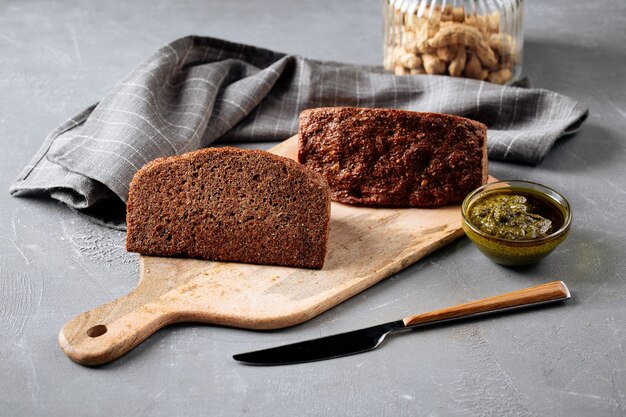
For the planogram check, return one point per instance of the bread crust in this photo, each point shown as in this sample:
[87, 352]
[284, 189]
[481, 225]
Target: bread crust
[229, 204]
[387, 157]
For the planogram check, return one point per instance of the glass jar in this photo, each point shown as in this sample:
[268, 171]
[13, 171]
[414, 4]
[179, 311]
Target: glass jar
[480, 39]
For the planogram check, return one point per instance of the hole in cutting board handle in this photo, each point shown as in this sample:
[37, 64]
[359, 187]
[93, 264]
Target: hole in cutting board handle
[97, 331]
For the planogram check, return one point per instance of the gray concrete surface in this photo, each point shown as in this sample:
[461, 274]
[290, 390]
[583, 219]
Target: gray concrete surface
[58, 57]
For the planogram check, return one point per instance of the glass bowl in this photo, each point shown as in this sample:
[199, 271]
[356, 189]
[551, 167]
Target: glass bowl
[511, 252]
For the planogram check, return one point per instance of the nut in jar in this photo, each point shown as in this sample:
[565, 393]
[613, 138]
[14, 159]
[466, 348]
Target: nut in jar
[457, 38]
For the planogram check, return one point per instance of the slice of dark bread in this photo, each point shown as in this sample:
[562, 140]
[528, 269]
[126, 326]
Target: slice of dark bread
[384, 157]
[229, 204]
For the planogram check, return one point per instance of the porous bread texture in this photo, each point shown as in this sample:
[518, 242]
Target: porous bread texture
[229, 204]
[387, 157]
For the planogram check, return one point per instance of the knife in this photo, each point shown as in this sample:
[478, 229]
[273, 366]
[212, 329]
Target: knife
[370, 338]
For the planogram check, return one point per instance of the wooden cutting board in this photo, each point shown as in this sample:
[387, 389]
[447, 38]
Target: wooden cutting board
[365, 246]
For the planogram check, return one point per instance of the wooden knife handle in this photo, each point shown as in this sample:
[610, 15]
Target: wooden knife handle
[552, 291]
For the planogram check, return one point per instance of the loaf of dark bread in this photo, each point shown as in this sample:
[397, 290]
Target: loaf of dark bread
[382, 157]
[229, 204]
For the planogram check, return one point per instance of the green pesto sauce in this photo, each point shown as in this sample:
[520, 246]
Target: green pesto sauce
[509, 216]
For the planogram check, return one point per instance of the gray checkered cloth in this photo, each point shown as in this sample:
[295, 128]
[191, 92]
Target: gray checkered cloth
[197, 90]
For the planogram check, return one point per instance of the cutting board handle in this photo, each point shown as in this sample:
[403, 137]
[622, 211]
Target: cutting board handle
[552, 291]
[109, 331]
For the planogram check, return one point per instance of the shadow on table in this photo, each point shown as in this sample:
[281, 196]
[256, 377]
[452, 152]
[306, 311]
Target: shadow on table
[591, 147]
[592, 74]
[581, 67]
[584, 261]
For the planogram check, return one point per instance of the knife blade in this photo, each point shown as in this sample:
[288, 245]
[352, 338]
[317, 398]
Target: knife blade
[363, 340]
